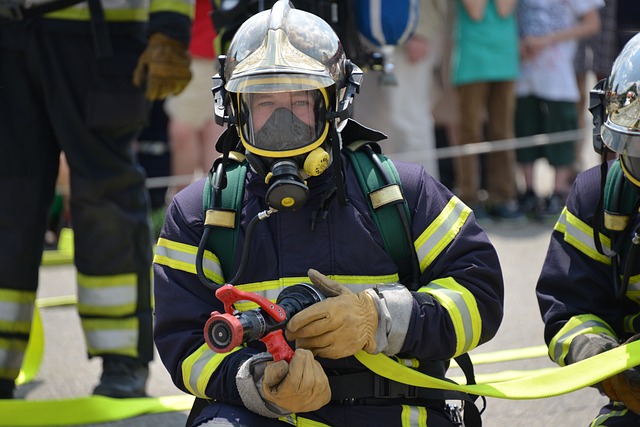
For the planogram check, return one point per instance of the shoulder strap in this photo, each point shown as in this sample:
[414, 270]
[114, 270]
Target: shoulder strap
[619, 199]
[379, 179]
[223, 214]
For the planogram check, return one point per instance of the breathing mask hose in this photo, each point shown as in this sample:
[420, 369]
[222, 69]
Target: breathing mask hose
[245, 249]
[224, 331]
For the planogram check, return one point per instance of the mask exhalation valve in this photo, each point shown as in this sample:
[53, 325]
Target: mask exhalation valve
[286, 190]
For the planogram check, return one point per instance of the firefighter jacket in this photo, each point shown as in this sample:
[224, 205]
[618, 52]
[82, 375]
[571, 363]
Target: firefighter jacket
[458, 306]
[576, 291]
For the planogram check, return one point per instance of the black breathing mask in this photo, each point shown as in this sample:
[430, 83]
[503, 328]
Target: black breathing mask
[286, 175]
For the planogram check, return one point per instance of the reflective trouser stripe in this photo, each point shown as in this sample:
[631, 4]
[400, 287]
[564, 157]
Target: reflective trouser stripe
[16, 311]
[12, 352]
[16, 314]
[411, 416]
[107, 296]
[107, 306]
[111, 336]
[414, 416]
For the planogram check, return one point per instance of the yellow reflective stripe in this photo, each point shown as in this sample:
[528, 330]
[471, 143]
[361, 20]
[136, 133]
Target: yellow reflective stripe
[181, 7]
[633, 290]
[112, 296]
[180, 256]
[16, 310]
[198, 368]
[112, 336]
[601, 419]
[441, 232]
[628, 323]
[577, 325]
[579, 235]
[414, 416]
[462, 308]
[270, 289]
[12, 352]
[409, 363]
[110, 15]
[304, 422]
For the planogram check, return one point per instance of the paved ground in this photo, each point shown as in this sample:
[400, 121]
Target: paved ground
[65, 373]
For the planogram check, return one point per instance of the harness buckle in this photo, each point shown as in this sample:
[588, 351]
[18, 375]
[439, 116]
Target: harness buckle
[387, 389]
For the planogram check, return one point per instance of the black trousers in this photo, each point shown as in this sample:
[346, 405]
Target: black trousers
[55, 94]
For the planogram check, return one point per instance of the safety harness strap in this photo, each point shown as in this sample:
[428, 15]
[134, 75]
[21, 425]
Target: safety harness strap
[619, 199]
[384, 192]
[224, 217]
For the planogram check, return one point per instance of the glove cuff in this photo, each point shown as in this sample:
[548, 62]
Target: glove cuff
[587, 345]
[249, 383]
[394, 303]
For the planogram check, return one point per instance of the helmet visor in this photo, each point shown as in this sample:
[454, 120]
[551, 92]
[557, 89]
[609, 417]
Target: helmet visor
[621, 139]
[282, 123]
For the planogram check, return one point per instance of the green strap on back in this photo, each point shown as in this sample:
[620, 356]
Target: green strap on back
[223, 239]
[382, 198]
[619, 199]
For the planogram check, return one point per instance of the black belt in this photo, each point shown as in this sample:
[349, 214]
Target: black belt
[367, 388]
[16, 11]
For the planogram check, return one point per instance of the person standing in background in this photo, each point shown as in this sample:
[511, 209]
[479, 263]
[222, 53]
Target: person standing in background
[484, 68]
[547, 91]
[411, 101]
[74, 79]
[411, 125]
[595, 54]
[192, 128]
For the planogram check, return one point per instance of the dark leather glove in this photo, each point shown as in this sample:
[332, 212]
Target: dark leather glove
[164, 65]
[338, 326]
[298, 386]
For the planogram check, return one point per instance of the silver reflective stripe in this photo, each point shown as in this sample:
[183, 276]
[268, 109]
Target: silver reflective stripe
[108, 296]
[16, 312]
[461, 313]
[565, 339]
[119, 340]
[414, 416]
[579, 235]
[441, 232]
[185, 258]
[10, 358]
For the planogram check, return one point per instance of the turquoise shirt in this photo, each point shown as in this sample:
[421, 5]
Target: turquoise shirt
[484, 50]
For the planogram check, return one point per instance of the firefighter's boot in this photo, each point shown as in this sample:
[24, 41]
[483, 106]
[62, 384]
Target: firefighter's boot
[122, 377]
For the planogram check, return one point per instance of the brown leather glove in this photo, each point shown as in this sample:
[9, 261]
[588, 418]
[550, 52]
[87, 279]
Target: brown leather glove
[164, 65]
[298, 386]
[625, 386]
[338, 326]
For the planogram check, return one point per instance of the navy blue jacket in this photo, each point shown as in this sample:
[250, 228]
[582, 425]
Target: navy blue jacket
[459, 304]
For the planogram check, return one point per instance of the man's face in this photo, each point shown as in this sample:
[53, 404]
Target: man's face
[301, 104]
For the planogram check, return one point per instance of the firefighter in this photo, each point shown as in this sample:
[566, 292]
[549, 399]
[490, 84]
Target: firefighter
[588, 288]
[288, 88]
[77, 76]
